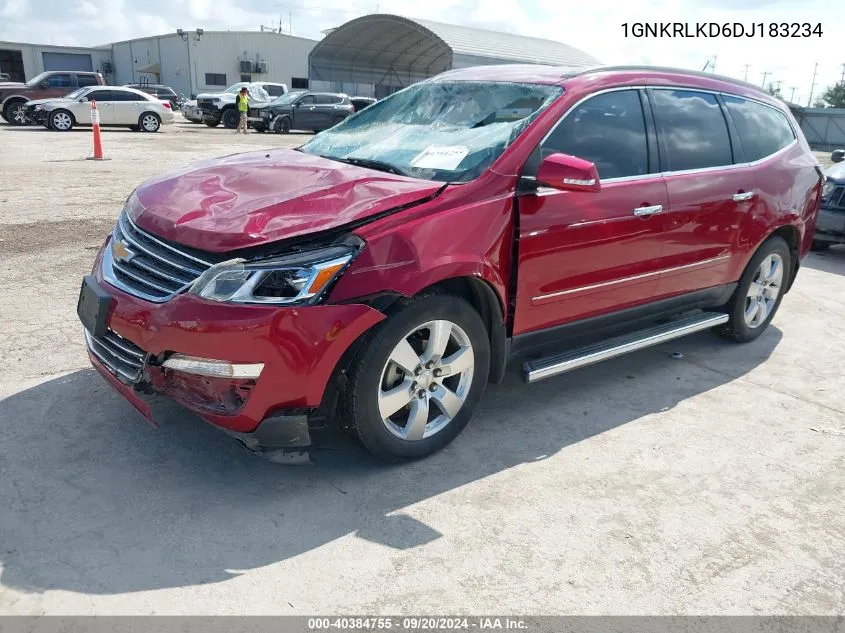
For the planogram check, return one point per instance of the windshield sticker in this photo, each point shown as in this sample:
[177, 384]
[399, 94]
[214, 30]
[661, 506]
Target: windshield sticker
[440, 157]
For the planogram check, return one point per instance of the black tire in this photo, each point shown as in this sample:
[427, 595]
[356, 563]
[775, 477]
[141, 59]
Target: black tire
[359, 400]
[14, 112]
[736, 328]
[58, 116]
[211, 122]
[149, 122]
[819, 246]
[230, 118]
[282, 125]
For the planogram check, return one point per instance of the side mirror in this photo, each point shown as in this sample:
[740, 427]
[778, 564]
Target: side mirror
[44, 85]
[83, 99]
[568, 173]
[838, 155]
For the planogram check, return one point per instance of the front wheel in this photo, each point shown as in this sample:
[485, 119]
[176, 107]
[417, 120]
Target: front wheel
[61, 121]
[230, 118]
[759, 292]
[419, 376]
[211, 122]
[282, 125]
[15, 113]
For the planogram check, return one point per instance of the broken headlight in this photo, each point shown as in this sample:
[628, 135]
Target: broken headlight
[291, 279]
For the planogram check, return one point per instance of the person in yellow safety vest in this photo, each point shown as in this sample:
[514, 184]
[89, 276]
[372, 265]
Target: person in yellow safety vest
[242, 101]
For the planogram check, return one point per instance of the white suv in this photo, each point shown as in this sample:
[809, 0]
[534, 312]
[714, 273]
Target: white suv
[220, 107]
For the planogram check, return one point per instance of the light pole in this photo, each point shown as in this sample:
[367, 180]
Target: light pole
[188, 38]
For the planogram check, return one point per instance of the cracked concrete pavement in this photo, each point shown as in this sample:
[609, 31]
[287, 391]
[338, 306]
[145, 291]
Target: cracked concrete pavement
[709, 485]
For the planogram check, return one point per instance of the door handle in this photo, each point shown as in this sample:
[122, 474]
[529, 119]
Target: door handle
[650, 210]
[739, 197]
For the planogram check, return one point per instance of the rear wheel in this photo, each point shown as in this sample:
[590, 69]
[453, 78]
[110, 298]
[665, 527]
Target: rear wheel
[15, 112]
[759, 293]
[61, 120]
[259, 127]
[230, 118]
[149, 122]
[413, 387]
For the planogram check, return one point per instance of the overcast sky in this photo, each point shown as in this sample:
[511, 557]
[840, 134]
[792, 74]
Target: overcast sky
[592, 25]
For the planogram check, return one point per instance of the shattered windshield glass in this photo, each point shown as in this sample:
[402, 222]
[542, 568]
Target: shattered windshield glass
[446, 131]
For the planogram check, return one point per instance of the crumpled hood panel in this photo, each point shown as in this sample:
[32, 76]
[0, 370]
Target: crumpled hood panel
[259, 197]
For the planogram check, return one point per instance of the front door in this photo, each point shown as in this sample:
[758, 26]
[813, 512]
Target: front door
[304, 117]
[584, 254]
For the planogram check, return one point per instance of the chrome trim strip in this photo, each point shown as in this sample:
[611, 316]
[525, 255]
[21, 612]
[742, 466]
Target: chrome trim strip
[124, 234]
[623, 280]
[116, 340]
[109, 364]
[158, 272]
[131, 362]
[160, 243]
[139, 279]
[545, 368]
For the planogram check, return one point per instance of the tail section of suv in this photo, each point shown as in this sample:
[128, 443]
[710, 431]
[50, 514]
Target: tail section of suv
[387, 270]
[220, 107]
[14, 96]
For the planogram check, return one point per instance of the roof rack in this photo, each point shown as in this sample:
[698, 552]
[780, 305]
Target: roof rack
[682, 71]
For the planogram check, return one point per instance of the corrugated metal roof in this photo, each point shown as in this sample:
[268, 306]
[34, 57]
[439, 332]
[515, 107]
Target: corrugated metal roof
[472, 41]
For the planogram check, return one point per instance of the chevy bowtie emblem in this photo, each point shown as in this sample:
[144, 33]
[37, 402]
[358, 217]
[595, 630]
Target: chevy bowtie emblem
[120, 251]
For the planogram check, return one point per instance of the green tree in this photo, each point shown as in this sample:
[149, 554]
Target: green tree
[834, 96]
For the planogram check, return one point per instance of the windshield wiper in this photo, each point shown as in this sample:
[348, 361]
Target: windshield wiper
[371, 163]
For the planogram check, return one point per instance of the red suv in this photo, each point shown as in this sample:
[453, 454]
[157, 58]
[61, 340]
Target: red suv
[387, 270]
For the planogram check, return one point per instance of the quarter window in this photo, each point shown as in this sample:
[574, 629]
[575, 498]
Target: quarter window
[607, 130]
[692, 129]
[762, 130]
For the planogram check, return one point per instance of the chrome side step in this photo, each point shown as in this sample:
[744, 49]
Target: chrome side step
[540, 368]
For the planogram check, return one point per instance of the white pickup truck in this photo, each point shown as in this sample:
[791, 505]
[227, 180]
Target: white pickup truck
[220, 107]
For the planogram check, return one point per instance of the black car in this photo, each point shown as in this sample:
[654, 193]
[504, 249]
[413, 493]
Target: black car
[830, 228]
[314, 111]
[165, 93]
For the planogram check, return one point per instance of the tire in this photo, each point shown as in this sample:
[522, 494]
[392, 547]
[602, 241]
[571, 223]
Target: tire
[61, 121]
[282, 125]
[373, 373]
[14, 112]
[259, 128]
[211, 122]
[149, 122]
[230, 118]
[819, 246]
[740, 328]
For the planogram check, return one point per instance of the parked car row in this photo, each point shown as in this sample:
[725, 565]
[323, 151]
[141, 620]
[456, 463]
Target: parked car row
[830, 228]
[14, 96]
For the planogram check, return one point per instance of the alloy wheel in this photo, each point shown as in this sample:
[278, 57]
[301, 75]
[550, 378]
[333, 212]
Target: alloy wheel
[62, 121]
[764, 291]
[149, 122]
[426, 380]
[17, 113]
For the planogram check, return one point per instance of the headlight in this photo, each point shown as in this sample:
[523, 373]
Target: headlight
[39, 107]
[291, 279]
[216, 100]
[829, 186]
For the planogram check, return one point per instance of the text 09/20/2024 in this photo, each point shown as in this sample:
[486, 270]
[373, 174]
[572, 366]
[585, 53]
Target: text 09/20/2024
[725, 29]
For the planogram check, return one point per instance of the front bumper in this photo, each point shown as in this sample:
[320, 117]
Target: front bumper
[299, 347]
[37, 117]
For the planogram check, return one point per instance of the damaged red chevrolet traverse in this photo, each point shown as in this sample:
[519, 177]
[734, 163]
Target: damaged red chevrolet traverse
[384, 272]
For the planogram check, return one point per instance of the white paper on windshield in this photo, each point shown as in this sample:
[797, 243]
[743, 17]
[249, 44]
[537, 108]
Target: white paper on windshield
[440, 157]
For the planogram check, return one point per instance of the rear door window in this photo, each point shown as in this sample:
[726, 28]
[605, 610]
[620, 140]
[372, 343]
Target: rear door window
[86, 80]
[762, 130]
[608, 130]
[274, 91]
[125, 95]
[691, 129]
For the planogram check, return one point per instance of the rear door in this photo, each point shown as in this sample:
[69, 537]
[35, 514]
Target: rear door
[328, 111]
[709, 191]
[583, 254]
[128, 107]
[304, 113]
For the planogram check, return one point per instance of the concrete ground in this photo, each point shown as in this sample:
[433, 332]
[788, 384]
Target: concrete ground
[711, 484]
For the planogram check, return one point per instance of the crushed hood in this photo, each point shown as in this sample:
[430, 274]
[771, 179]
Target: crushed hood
[260, 197]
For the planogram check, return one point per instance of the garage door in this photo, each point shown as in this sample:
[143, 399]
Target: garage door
[67, 61]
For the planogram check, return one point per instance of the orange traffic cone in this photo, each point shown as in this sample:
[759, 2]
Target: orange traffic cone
[95, 123]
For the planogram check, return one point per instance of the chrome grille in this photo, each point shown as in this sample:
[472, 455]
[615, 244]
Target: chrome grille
[120, 356]
[151, 269]
[837, 198]
[206, 105]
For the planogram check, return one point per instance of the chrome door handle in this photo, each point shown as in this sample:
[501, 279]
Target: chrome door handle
[739, 197]
[643, 211]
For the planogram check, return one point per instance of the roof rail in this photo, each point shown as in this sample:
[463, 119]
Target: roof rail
[682, 71]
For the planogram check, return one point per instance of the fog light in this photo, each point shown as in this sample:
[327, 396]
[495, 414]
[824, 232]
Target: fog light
[213, 368]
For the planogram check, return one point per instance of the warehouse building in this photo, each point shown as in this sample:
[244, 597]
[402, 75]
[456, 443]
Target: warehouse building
[24, 61]
[378, 54]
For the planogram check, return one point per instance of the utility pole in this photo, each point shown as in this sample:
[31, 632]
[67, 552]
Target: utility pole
[813, 86]
[842, 78]
[746, 72]
[713, 67]
[765, 74]
[792, 96]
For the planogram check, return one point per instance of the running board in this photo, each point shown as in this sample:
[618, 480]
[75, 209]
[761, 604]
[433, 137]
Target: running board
[540, 368]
